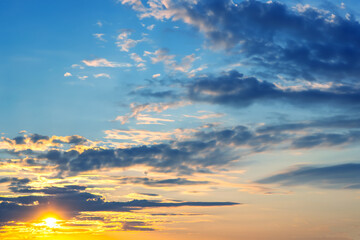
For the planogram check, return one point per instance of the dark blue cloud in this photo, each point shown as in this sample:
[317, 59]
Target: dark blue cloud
[72, 200]
[75, 140]
[306, 43]
[337, 176]
[160, 182]
[235, 90]
[326, 139]
[36, 137]
[336, 122]
[136, 226]
[180, 158]
[204, 152]
[19, 140]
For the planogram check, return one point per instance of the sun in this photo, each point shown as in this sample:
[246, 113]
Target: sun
[50, 222]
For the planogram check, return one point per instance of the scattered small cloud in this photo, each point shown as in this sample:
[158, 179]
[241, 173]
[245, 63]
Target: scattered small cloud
[77, 66]
[151, 27]
[83, 77]
[99, 36]
[99, 23]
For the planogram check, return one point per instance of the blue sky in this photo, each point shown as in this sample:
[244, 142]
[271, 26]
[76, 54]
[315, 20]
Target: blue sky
[142, 117]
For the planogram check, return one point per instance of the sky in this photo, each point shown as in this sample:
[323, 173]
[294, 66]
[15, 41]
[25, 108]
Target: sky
[173, 120]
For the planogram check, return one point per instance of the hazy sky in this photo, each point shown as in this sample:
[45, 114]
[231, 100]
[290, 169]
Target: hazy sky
[173, 120]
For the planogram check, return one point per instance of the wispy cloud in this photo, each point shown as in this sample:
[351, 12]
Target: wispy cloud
[234, 89]
[102, 62]
[102, 75]
[83, 77]
[99, 36]
[149, 107]
[156, 75]
[136, 58]
[345, 176]
[205, 116]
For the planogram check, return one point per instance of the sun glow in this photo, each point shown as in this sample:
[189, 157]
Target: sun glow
[50, 222]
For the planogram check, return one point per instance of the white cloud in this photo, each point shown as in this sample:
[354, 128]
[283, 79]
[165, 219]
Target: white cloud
[156, 75]
[102, 62]
[151, 27]
[77, 66]
[99, 23]
[104, 75]
[136, 58]
[125, 43]
[99, 36]
[149, 107]
[162, 55]
[348, 16]
[83, 77]
[139, 136]
[147, 119]
[206, 116]
[67, 74]
[141, 66]
[186, 63]
[136, 4]
[125, 34]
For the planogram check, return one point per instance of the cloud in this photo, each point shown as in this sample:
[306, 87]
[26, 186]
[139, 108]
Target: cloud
[83, 77]
[178, 152]
[191, 150]
[182, 157]
[185, 64]
[162, 55]
[183, 151]
[102, 62]
[77, 66]
[37, 142]
[235, 90]
[67, 74]
[342, 176]
[125, 43]
[102, 75]
[170, 94]
[136, 58]
[99, 36]
[156, 75]
[99, 23]
[147, 119]
[151, 182]
[205, 116]
[151, 27]
[337, 122]
[72, 201]
[148, 107]
[139, 136]
[326, 139]
[302, 42]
